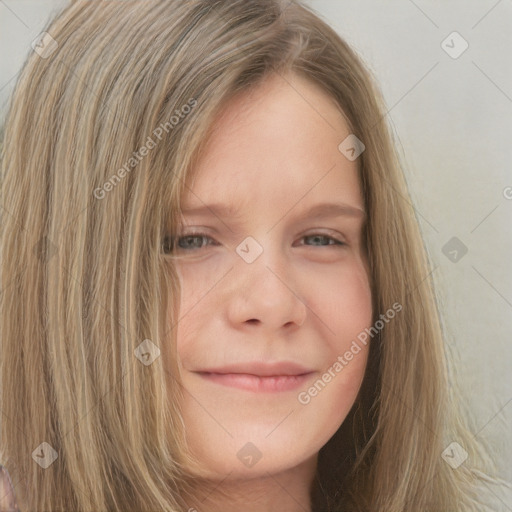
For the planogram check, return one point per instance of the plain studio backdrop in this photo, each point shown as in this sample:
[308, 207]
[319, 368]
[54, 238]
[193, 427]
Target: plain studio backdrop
[445, 71]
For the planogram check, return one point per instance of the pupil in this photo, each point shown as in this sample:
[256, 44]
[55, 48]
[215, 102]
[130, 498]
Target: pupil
[191, 239]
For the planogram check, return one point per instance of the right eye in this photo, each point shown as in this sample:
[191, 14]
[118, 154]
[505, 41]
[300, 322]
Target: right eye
[189, 243]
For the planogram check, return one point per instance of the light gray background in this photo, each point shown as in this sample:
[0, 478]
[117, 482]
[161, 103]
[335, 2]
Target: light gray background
[452, 118]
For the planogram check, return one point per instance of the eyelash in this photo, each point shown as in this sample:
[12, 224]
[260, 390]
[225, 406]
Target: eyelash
[337, 243]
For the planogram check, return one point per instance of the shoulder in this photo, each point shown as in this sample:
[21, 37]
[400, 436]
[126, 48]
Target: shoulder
[7, 498]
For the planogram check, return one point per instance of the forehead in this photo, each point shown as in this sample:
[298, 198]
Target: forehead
[276, 144]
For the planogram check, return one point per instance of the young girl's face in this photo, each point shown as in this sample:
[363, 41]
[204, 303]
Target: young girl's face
[274, 287]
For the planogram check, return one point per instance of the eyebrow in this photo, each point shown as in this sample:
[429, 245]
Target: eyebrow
[320, 210]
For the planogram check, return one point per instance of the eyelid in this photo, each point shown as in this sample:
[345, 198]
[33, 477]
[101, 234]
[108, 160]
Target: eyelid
[185, 230]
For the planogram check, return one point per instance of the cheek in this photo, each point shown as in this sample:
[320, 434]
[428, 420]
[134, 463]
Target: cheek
[198, 282]
[343, 301]
[192, 313]
[331, 396]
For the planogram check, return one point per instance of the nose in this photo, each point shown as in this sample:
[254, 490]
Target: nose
[265, 294]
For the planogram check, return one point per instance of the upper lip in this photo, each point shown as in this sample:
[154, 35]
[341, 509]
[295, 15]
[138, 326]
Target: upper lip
[261, 369]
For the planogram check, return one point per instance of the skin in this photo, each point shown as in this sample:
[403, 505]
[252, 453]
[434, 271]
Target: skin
[272, 155]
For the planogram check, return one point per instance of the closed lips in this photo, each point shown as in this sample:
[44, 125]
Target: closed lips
[258, 377]
[260, 369]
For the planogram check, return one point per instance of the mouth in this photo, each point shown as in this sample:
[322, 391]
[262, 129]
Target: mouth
[257, 383]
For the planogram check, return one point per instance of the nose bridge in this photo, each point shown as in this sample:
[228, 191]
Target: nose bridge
[262, 259]
[266, 289]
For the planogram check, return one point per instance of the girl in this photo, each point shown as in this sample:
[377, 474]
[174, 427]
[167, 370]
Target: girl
[293, 358]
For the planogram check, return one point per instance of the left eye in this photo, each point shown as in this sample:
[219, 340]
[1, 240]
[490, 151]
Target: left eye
[324, 237]
[195, 241]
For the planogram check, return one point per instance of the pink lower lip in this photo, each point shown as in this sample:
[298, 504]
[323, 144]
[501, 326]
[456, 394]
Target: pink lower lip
[256, 383]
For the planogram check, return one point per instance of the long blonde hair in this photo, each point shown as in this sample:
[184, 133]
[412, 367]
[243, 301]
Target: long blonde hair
[84, 280]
